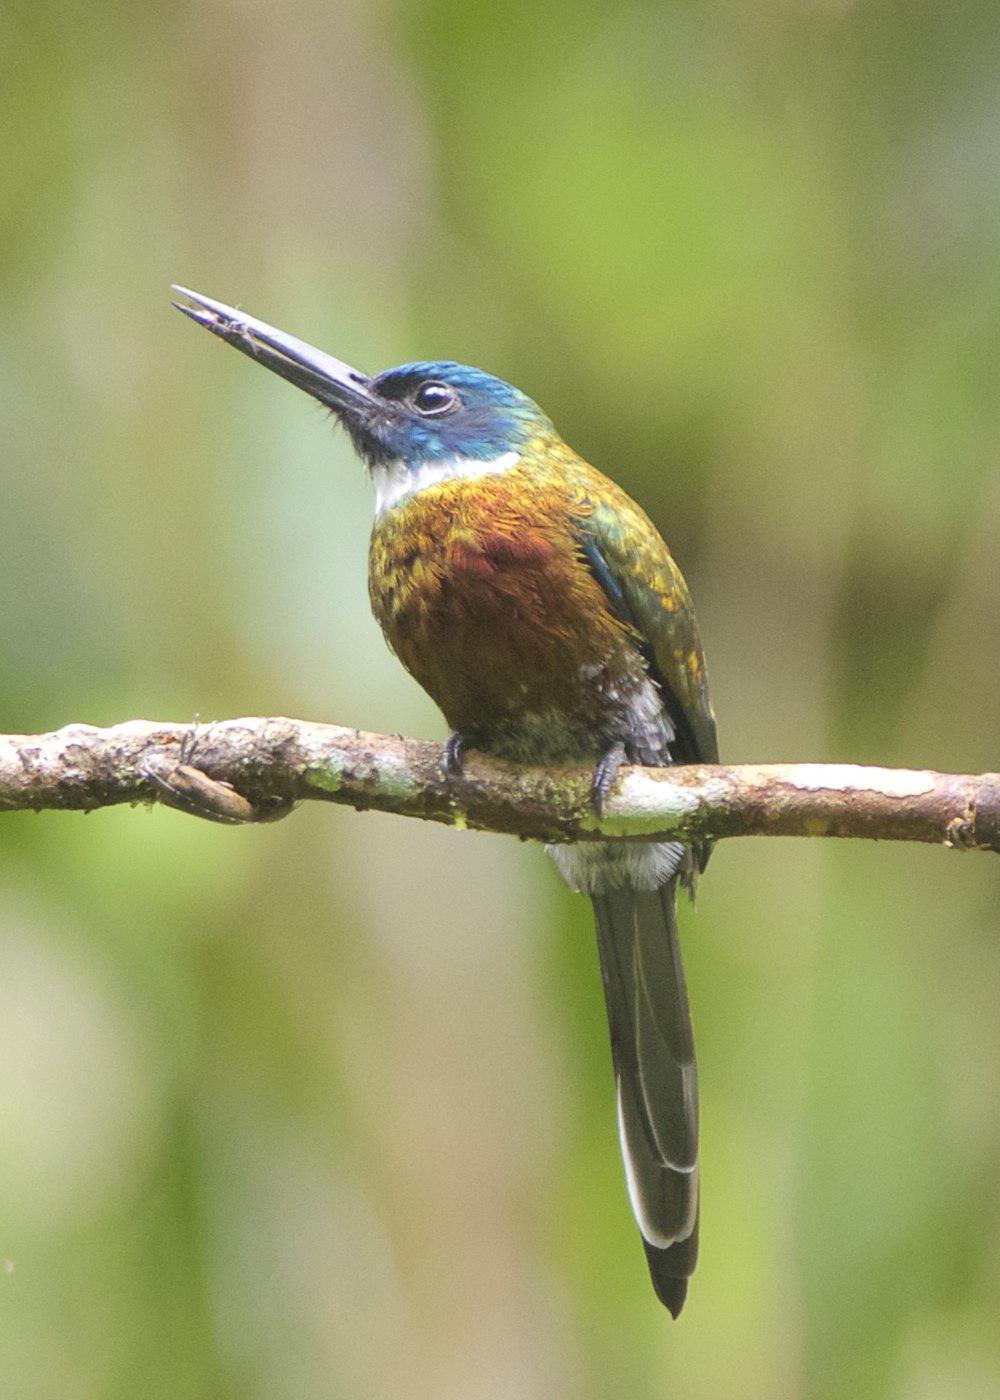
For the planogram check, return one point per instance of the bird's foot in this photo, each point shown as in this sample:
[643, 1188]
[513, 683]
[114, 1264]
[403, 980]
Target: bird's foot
[454, 755]
[605, 773]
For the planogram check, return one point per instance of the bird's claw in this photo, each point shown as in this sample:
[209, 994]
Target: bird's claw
[454, 755]
[605, 773]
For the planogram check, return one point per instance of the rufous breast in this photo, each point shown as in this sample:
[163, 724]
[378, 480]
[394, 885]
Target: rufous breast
[482, 591]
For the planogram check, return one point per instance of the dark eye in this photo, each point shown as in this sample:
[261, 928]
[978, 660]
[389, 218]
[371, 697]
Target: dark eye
[433, 397]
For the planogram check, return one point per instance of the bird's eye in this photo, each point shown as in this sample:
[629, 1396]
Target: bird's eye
[432, 397]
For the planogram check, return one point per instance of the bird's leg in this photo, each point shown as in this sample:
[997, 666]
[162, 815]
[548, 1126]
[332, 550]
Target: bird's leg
[454, 754]
[605, 773]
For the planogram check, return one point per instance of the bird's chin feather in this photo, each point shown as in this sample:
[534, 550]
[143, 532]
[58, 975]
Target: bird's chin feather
[395, 480]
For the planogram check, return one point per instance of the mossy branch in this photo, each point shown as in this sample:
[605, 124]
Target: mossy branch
[244, 770]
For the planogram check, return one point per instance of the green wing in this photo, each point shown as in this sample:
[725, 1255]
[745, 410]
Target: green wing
[645, 588]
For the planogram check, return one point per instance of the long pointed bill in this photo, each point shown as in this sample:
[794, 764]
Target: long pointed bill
[331, 381]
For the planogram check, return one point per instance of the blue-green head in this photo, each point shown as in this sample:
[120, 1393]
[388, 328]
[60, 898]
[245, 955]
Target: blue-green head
[436, 410]
[416, 415]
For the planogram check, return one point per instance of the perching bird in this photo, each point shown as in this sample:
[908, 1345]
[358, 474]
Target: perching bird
[540, 609]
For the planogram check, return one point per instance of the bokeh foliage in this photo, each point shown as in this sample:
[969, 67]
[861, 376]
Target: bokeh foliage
[324, 1109]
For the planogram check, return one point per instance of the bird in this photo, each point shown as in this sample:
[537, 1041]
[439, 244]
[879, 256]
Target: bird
[541, 610]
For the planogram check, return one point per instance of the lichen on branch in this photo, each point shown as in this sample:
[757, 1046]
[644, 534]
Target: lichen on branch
[244, 770]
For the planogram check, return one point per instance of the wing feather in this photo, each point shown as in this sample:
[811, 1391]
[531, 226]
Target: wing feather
[644, 587]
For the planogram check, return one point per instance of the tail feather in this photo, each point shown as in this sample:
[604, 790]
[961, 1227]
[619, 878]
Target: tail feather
[653, 1054]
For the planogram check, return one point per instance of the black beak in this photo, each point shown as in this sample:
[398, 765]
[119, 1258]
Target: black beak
[331, 381]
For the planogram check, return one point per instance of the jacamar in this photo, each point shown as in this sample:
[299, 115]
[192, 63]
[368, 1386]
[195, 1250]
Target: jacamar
[540, 609]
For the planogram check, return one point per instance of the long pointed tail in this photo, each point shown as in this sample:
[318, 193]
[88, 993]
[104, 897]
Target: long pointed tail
[653, 1053]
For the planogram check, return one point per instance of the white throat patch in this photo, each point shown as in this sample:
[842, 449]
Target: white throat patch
[393, 481]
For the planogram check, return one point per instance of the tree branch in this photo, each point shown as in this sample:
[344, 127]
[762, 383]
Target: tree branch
[243, 770]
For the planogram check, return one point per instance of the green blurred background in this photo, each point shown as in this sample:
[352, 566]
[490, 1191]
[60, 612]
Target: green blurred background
[325, 1110]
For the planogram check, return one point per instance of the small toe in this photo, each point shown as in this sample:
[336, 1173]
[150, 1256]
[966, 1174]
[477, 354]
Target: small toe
[454, 754]
[605, 773]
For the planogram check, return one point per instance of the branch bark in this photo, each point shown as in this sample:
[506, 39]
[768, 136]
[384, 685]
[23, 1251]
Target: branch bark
[243, 770]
